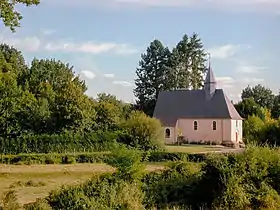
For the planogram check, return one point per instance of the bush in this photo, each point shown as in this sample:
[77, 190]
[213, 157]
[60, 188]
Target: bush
[95, 157]
[127, 162]
[262, 129]
[159, 156]
[170, 187]
[142, 132]
[248, 180]
[241, 181]
[102, 193]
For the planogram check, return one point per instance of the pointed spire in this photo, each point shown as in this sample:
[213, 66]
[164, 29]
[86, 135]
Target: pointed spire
[210, 75]
[209, 60]
[210, 84]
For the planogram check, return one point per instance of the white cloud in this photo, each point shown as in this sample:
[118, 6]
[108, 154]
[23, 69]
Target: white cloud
[271, 6]
[90, 47]
[29, 44]
[88, 74]
[163, 3]
[33, 43]
[123, 83]
[225, 82]
[109, 75]
[253, 80]
[48, 31]
[223, 52]
[248, 5]
[250, 69]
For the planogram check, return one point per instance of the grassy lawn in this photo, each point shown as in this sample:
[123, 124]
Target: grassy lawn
[193, 148]
[36, 181]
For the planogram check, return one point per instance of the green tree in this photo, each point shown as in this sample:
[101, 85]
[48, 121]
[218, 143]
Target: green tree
[13, 62]
[54, 72]
[276, 106]
[9, 104]
[261, 95]
[188, 63]
[33, 113]
[72, 110]
[122, 109]
[152, 76]
[107, 116]
[61, 95]
[143, 132]
[10, 17]
[248, 107]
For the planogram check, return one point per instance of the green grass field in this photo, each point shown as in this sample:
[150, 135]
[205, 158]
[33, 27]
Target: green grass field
[36, 181]
[193, 148]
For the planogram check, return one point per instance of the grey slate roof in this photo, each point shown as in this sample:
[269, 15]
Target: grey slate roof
[193, 104]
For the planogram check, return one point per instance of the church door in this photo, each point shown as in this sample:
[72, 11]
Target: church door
[236, 136]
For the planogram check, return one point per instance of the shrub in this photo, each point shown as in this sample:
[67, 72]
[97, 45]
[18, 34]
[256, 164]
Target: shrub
[170, 187]
[248, 180]
[127, 162]
[103, 193]
[241, 181]
[95, 157]
[159, 156]
[142, 132]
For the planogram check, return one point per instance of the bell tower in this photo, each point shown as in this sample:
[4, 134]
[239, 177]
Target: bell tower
[210, 83]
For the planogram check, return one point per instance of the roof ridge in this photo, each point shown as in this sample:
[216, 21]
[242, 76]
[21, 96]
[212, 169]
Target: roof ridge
[233, 113]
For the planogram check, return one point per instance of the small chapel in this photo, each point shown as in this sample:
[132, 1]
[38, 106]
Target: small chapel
[205, 115]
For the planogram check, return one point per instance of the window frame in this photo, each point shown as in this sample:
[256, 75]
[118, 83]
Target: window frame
[214, 125]
[195, 125]
[167, 133]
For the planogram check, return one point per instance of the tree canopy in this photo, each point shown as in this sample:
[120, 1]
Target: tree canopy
[261, 95]
[8, 14]
[161, 69]
[48, 99]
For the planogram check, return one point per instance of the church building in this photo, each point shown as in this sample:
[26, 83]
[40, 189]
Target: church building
[205, 115]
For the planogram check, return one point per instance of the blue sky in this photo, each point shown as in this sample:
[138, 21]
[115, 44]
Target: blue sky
[103, 40]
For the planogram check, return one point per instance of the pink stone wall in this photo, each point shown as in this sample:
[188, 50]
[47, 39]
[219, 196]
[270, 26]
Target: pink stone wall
[204, 130]
[173, 134]
[226, 130]
[236, 130]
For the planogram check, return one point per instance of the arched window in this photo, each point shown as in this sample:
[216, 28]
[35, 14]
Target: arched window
[195, 125]
[214, 125]
[167, 133]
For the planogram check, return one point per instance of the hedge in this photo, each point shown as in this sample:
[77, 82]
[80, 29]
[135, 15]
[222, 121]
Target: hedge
[59, 143]
[96, 157]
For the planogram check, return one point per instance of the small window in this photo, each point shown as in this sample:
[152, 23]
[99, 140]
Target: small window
[214, 125]
[195, 125]
[167, 133]
[236, 123]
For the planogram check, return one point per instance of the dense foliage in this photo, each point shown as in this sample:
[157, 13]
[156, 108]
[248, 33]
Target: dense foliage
[95, 157]
[161, 69]
[260, 109]
[248, 180]
[44, 108]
